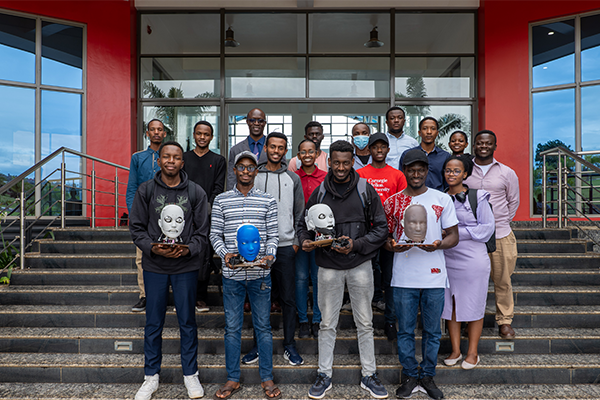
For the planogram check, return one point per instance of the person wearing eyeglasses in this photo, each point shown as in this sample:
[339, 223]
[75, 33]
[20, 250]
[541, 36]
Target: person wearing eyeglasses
[242, 205]
[254, 143]
[467, 263]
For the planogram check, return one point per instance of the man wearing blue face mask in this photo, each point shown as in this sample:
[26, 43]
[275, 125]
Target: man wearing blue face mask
[360, 140]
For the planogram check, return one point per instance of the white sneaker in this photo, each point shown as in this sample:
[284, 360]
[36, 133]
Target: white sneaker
[148, 387]
[193, 385]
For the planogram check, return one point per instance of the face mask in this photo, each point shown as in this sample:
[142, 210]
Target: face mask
[361, 141]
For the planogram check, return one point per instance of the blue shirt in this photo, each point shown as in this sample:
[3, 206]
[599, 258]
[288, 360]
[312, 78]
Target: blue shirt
[142, 168]
[435, 176]
[261, 144]
[397, 147]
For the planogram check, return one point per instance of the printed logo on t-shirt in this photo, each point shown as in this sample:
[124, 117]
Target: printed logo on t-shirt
[438, 211]
[436, 271]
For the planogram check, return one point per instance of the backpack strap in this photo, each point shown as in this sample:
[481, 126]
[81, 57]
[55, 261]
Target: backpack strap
[472, 195]
[150, 190]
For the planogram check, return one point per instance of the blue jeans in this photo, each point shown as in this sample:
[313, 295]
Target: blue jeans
[406, 302]
[184, 294]
[306, 266]
[234, 293]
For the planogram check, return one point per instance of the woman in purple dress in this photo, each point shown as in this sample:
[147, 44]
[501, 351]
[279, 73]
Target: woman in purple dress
[468, 264]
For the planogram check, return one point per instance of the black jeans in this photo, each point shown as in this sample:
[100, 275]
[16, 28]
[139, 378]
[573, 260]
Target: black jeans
[386, 263]
[283, 276]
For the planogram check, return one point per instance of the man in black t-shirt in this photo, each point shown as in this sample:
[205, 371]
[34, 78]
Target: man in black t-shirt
[207, 169]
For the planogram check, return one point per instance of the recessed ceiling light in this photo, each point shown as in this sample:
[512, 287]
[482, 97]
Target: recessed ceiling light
[545, 68]
[550, 33]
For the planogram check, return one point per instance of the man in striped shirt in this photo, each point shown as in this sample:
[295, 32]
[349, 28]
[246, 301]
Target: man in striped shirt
[245, 204]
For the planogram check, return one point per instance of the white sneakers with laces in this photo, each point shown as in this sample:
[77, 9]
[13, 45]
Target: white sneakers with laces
[193, 386]
[148, 388]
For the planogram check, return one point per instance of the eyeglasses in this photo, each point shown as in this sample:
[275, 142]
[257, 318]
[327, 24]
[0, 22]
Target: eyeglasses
[310, 152]
[241, 167]
[449, 171]
[254, 121]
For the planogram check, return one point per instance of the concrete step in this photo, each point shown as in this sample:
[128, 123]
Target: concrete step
[84, 391]
[116, 277]
[46, 246]
[80, 261]
[554, 246]
[87, 233]
[128, 295]
[558, 277]
[559, 261]
[120, 316]
[545, 234]
[128, 368]
[131, 341]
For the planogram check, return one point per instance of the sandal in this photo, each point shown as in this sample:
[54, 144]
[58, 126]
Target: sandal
[269, 392]
[225, 389]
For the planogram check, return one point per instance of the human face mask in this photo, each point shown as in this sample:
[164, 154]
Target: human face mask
[361, 141]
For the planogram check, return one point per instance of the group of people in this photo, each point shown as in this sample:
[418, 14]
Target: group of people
[412, 222]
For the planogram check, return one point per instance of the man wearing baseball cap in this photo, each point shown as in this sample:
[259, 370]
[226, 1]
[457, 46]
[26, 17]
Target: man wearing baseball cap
[241, 205]
[419, 276]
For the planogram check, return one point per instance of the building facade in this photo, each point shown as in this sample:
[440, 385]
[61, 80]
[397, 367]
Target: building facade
[89, 74]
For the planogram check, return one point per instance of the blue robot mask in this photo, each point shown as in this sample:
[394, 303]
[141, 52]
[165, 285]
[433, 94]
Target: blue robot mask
[248, 241]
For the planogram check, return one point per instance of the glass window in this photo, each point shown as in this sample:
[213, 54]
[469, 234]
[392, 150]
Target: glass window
[62, 55]
[238, 128]
[335, 33]
[61, 126]
[590, 118]
[554, 117]
[180, 34]
[349, 77]
[267, 33]
[265, 77]
[180, 121]
[17, 48]
[427, 33]
[590, 48]
[553, 53]
[450, 119]
[180, 77]
[435, 77]
[17, 129]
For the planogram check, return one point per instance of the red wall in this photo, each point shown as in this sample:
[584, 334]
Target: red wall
[503, 73]
[111, 78]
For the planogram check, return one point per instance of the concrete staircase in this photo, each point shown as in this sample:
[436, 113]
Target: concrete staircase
[67, 330]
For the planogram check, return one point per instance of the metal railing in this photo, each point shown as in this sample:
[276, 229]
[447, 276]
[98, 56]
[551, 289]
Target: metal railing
[571, 192]
[34, 201]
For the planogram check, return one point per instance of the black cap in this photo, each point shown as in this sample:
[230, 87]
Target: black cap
[378, 136]
[413, 156]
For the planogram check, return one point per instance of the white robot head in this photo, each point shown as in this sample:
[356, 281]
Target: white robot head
[320, 219]
[171, 221]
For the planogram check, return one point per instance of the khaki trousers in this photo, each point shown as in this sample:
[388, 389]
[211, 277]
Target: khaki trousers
[140, 271]
[503, 262]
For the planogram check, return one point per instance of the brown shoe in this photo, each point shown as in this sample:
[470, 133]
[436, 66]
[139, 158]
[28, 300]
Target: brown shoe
[506, 331]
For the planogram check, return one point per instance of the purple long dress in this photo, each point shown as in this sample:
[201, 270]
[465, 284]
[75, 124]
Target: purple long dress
[467, 263]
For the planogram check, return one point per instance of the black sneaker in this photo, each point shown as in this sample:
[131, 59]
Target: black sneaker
[390, 331]
[321, 385]
[140, 305]
[315, 329]
[408, 385]
[304, 330]
[432, 390]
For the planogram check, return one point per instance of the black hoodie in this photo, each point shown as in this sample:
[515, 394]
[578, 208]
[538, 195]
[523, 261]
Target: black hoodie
[144, 228]
[349, 221]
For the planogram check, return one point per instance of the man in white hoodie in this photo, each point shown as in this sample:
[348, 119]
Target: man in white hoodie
[285, 186]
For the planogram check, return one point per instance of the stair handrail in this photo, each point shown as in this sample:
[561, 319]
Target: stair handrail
[564, 188]
[20, 179]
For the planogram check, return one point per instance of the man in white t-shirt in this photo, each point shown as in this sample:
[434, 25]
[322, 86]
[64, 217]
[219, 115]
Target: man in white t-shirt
[419, 278]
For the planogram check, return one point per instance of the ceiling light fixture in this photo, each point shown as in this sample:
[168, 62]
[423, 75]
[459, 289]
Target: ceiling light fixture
[550, 33]
[374, 40]
[229, 40]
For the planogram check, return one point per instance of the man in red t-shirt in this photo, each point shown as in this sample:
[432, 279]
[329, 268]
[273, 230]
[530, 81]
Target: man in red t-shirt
[387, 181]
